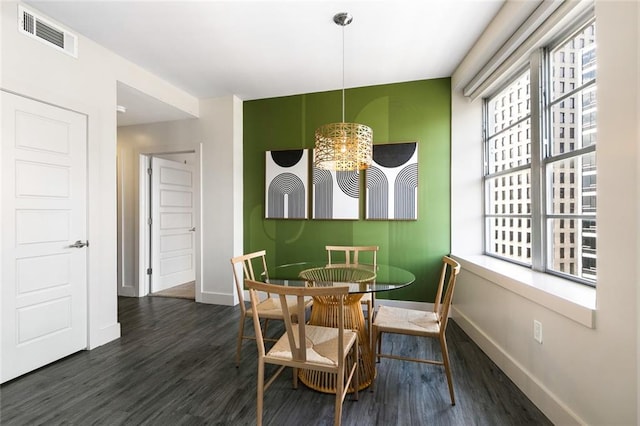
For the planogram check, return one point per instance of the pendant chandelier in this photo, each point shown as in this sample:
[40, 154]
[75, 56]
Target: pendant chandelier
[343, 146]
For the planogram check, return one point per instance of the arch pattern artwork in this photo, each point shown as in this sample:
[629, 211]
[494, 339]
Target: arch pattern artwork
[378, 194]
[391, 186]
[336, 194]
[392, 182]
[286, 184]
[322, 194]
[406, 186]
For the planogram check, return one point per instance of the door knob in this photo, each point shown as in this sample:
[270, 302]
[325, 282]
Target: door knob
[193, 229]
[79, 244]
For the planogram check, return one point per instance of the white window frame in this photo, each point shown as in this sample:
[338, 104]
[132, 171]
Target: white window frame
[541, 158]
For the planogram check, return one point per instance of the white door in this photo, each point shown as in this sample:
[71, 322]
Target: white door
[172, 224]
[44, 212]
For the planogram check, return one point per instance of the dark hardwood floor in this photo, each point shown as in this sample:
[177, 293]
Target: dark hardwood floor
[174, 365]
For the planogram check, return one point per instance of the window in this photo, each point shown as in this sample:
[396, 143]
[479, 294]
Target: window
[562, 165]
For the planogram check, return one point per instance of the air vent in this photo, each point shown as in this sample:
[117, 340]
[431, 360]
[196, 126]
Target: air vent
[41, 29]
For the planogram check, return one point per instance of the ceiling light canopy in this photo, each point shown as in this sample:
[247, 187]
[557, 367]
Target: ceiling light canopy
[343, 146]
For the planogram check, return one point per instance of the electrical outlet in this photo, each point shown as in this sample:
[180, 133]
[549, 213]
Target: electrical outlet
[537, 331]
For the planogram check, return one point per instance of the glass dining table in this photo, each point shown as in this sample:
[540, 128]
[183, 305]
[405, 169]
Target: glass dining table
[360, 279]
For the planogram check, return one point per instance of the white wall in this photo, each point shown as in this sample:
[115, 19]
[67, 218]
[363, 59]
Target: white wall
[87, 85]
[579, 375]
[219, 129]
[221, 126]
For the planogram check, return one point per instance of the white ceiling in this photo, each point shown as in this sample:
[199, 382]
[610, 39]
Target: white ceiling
[262, 49]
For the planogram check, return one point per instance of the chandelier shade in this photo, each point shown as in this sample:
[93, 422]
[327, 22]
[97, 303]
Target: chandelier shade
[343, 146]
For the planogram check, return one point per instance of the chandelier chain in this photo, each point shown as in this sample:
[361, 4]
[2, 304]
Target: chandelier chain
[343, 73]
[343, 146]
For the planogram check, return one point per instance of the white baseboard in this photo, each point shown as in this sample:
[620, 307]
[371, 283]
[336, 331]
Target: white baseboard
[127, 291]
[535, 390]
[103, 335]
[216, 298]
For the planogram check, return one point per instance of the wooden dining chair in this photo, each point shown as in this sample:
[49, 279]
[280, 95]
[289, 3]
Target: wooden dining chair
[255, 265]
[351, 255]
[422, 323]
[311, 347]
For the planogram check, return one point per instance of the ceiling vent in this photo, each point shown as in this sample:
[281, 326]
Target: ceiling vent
[41, 29]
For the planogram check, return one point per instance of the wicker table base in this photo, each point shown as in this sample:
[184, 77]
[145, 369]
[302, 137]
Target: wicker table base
[324, 312]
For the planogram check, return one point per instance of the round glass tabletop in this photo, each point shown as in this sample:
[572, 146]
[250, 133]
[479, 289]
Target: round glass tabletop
[366, 278]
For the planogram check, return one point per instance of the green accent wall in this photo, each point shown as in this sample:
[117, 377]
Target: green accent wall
[403, 112]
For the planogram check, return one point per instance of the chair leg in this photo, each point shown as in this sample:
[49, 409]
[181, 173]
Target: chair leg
[266, 324]
[447, 366]
[378, 339]
[374, 353]
[356, 357]
[373, 307]
[260, 395]
[337, 417]
[370, 319]
[240, 336]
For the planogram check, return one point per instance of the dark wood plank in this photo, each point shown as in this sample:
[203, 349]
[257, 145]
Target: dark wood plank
[174, 364]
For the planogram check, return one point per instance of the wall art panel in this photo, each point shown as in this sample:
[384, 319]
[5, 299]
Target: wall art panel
[286, 184]
[392, 182]
[336, 195]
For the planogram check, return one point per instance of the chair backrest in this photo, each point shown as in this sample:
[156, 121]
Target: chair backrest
[297, 340]
[249, 272]
[351, 255]
[448, 275]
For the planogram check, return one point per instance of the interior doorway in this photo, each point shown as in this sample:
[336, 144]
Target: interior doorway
[169, 224]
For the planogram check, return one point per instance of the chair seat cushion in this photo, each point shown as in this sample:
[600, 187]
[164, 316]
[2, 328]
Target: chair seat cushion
[272, 308]
[407, 321]
[321, 344]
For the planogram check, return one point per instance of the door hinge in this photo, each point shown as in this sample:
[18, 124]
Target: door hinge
[149, 171]
[149, 221]
[148, 271]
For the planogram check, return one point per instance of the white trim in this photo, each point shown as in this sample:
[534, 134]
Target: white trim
[144, 209]
[128, 291]
[558, 412]
[104, 335]
[570, 299]
[144, 162]
[216, 298]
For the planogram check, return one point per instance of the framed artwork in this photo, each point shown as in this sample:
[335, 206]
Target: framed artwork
[286, 184]
[336, 195]
[392, 182]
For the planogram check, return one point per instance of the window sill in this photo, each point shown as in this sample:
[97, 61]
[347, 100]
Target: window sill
[570, 299]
